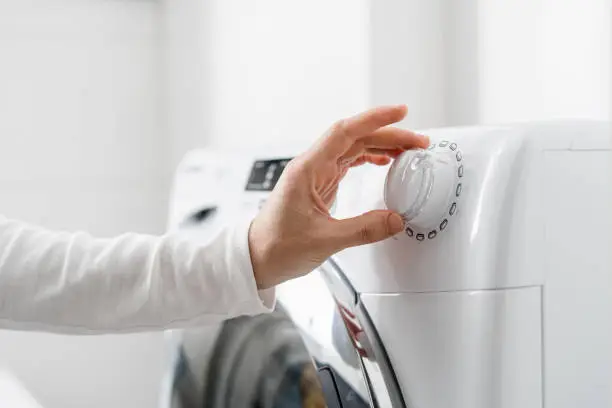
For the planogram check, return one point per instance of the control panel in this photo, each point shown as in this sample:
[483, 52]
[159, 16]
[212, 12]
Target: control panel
[265, 174]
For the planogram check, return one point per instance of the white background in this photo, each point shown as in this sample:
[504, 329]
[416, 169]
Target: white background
[99, 99]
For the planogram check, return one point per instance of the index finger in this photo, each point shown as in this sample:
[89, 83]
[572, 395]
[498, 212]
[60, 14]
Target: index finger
[345, 133]
[371, 120]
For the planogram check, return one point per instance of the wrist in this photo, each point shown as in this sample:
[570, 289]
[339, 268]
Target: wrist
[260, 248]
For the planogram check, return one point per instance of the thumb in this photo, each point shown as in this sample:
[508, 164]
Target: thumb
[367, 228]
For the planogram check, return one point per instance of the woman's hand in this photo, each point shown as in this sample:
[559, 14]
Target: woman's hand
[294, 232]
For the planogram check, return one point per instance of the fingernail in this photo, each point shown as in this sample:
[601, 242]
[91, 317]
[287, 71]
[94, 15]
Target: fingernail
[395, 223]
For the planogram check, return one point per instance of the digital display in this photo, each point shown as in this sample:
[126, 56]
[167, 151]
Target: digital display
[265, 174]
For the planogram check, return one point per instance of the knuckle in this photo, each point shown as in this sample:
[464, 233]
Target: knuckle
[375, 230]
[339, 126]
[384, 221]
[292, 166]
[305, 169]
[339, 129]
[367, 234]
[298, 166]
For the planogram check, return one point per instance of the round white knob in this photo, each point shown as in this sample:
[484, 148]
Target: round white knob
[424, 186]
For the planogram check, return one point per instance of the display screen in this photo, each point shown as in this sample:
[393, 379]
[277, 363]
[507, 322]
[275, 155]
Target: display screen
[265, 174]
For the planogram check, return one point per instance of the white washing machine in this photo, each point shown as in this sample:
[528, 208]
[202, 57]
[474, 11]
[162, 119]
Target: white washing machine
[248, 361]
[499, 292]
[198, 194]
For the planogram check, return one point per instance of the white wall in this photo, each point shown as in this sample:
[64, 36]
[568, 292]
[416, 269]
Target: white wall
[407, 58]
[544, 59]
[490, 61]
[186, 28]
[275, 71]
[81, 114]
[576, 58]
[278, 71]
[82, 147]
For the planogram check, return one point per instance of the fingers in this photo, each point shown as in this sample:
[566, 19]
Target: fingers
[367, 228]
[343, 135]
[373, 119]
[376, 159]
[388, 141]
[389, 153]
[394, 138]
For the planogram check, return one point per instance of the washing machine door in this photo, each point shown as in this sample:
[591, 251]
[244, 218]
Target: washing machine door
[260, 361]
[352, 364]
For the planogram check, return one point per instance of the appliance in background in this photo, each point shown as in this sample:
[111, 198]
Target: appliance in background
[196, 196]
[497, 295]
[247, 361]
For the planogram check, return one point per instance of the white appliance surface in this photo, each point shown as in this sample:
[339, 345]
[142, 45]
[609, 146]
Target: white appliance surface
[509, 305]
[503, 177]
[463, 349]
[14, 394]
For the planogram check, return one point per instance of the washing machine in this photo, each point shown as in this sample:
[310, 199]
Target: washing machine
[499, 291]
[249, 360]
[498, 294]
[198, 194]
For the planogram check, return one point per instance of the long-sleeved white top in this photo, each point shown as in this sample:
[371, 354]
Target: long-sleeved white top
[75, 283]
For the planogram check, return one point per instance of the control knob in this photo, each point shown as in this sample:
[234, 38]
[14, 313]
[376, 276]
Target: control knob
[424, 186]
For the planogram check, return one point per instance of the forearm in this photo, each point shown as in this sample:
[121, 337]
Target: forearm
[76, 283]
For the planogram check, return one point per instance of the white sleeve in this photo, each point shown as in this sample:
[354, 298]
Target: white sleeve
[74, 283]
